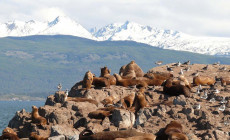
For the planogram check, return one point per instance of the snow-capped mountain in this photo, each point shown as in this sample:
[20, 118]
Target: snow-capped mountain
[60, 25]
[166, 39]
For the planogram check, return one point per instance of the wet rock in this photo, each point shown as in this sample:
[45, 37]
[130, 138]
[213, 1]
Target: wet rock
[122, 118]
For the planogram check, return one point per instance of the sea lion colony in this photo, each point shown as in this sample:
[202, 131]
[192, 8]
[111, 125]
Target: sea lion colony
[173, 82]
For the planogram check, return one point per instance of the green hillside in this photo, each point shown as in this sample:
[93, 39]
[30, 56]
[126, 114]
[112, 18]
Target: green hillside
[35, 65]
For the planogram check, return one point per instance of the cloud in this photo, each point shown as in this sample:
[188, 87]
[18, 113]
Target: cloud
[209, 18]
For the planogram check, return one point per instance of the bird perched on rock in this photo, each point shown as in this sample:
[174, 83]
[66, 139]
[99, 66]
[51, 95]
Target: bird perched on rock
[67, 92]
[169, 69]
[216, 91]
[158, 62]
[187, 62]
[216, 63]
[222, 107]
[181, 72]
[205, 96]
[205, 68]
[196, 106]
[223, 101]
[187, 69]
[177, 64]
[223, 68]
[59, 87]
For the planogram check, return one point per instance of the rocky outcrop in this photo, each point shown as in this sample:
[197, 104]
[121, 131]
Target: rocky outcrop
[200, 118]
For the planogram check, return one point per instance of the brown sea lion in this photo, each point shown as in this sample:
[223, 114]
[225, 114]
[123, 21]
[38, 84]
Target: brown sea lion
[9, 134]
[108, 135]
[173, 131]
[225, 81]
[133, 66]
[175, 90]
[34, 136]
[158, 75]
[128, 101]
[129, 82]
[101, 82]
[36, 118]
[185, 80]
[109, 100]
[87, 80]
[99, 114]
[203, 80]
[140, 101]
[105, 72]
[145, 137]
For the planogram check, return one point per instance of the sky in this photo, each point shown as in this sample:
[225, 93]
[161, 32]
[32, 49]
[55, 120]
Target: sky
[195, 17]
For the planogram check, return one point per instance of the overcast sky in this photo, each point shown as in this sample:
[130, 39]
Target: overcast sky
[196, 17]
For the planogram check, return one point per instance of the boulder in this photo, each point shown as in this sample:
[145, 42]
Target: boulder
[65, 130]
[60, 137]
[123, 118]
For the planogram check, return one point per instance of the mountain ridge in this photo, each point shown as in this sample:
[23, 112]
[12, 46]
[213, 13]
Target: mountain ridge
[131, 31]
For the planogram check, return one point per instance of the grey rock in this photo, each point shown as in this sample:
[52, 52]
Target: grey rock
[180, 100]
[65, 130]
[60, 137]
[122, 118]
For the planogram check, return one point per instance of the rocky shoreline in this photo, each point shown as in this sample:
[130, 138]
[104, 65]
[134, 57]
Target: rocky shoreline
[200, 118]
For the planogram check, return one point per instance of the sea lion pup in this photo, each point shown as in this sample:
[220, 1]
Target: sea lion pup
[108, 135]
[128, 101]
[185, 80]
[175, 90]
[173, 131]
[145, 137]
[79, 99]
[34, 136]
[87, 80]
[105, 72]
[133, 66]
[109, 100]
[203, 80]
[36, 118]
[101, 82]
[9, 134]
[129, 82]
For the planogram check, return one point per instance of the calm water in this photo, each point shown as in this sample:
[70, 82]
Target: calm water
[9, 108]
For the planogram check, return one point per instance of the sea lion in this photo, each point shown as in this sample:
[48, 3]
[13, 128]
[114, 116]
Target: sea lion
[36, 118]
[99, 114]
[129, 82]
[108, 101]
[101, 82]
[140, 101]
[173, 131]
[108, 135]
[34, 136]
[158, 75]
[87, 80]
[9, 134]
[133, 66]
[145, 137]
[175, 90]
[128, 101]
[185, 80]
[225, 81]
[203, 80]
[105, 72]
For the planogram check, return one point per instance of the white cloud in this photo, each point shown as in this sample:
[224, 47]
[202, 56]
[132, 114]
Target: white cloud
[206, 17]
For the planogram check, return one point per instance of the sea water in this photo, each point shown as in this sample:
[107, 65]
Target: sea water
[9, 108]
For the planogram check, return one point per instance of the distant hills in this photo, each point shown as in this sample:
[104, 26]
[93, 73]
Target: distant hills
[129, 31]
[34, 65]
